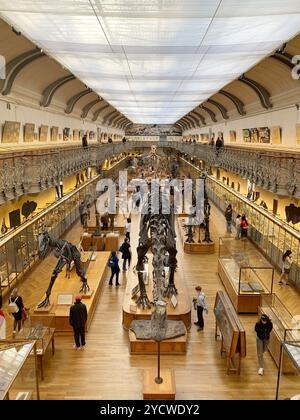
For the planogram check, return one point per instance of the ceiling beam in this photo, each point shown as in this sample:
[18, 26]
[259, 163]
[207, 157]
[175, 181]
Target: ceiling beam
[261, 91]
[89, 106]
[220, 107]
[202, 119]
[97, 113]
[189, 123]
[115, 119]
[210, 112]
[72, 101]
[195, 119]
[15, 66]
[120, 120]
[283, 58]
[50, 90]
[108, 116]
[236, 101]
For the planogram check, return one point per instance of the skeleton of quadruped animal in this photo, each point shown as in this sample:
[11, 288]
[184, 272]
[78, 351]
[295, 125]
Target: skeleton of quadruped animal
[157, 232]
[66, 253]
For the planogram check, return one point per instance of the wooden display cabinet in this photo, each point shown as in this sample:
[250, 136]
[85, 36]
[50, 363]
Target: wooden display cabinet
[245, 274]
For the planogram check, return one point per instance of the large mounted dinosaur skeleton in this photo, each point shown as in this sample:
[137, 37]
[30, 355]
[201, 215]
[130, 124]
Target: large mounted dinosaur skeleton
[157, 232]
[66, 253]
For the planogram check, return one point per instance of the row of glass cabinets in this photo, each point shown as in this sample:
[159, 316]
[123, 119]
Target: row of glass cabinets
[18, 251]
[269, 234]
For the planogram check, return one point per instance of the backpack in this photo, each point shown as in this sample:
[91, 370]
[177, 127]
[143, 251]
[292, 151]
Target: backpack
[111, 263]
[12, 307]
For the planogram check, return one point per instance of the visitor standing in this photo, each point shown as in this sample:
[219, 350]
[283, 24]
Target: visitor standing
[286, 267]
[228, 217]
[113, 263]
[126, 253]
[83, 211]
[84, 141]
[238, 226]
[244, 227]
[128, 228]
[15, 307]
[200, 305]
[77, 318]
[219, 144]
[263, 329]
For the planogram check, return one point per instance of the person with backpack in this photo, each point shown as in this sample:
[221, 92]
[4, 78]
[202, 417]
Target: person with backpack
[113, 263]
[15, 307]
[244, 227]
[126, 253]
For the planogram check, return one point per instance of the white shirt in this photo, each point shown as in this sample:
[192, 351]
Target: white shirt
[201, 300]
[128, 227]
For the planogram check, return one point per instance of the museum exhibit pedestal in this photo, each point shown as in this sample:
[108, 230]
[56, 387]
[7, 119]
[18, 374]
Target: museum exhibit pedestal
[182, 311]
[194, 247]
[46, 310]
[164, 391]
[96, 274]
[199, 248]
[176, 345]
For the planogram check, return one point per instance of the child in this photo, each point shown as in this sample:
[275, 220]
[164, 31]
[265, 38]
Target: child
[200, 306]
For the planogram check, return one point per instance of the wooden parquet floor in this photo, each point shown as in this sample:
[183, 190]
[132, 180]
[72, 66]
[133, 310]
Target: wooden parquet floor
[106, 370]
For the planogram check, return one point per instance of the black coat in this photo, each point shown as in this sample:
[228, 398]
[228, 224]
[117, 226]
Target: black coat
[263, 330]
[78, 315]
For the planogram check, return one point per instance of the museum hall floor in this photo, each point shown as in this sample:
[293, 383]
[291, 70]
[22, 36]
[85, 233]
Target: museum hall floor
[106, 370]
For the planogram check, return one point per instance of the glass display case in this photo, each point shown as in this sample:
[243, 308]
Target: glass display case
[18, 370]
[18, 249]
[288, 385]
[286, 327]
[245, 273]
[271, 234]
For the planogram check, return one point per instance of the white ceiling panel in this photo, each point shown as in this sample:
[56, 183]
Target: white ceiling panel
[155, 60]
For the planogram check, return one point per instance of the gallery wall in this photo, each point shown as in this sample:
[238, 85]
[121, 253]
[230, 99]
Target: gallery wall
[285, 120]
[27, 115]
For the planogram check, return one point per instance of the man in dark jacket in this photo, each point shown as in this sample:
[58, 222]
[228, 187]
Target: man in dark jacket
[78, 318]
[263, 330]
[126, 253]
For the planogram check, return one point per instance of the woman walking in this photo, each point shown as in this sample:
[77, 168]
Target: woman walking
[228, 217]
[15, 307]
[244, 227]
[286, 267]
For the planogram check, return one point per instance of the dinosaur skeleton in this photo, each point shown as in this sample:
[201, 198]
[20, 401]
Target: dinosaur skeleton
[66, 253]
[157, 232]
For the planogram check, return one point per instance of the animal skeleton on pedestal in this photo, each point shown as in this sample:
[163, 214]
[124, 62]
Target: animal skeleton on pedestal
[156, 231]
[66, 253]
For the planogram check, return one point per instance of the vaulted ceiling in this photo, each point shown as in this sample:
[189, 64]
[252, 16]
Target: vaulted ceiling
[156, 60]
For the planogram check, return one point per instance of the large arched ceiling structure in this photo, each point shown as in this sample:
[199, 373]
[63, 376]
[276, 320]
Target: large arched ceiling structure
[268, 85]
[32, 74]
[156, 60]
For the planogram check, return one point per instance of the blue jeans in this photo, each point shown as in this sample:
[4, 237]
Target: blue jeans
[228, 225]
